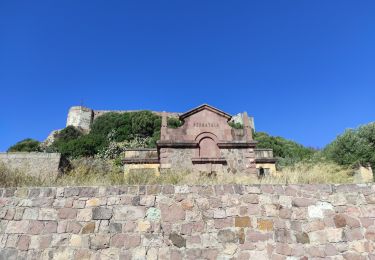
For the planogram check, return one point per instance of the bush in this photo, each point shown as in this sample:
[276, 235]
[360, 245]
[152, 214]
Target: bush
[174, 122]
[111, 128]
[354, 146]
[127, 125]
[84, 146]
[236, 125]
[68, 133]
[26, 145]
[290, 152]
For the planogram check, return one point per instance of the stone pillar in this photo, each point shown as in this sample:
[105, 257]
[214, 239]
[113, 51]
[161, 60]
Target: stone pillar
[247, 128]
[164, 126]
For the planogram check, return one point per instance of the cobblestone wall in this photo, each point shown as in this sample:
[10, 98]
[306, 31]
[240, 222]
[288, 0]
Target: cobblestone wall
[189, 222]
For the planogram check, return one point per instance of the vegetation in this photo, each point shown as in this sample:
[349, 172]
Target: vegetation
[109, 133]
[26, 145]
[236, 125]
[112, 133]
[354, 146]
[16, 178]
[288, 152]
[94, 171]
[174, 122]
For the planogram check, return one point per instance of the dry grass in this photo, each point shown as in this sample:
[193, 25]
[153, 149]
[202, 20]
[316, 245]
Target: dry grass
[17, 178]
[310, 173]
[87, 172]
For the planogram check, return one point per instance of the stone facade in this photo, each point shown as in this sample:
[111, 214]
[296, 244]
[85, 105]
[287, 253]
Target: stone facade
[46, 166]
[207, 143]
[189, 222]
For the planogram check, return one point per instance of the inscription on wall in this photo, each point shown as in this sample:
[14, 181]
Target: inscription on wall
[205, 124]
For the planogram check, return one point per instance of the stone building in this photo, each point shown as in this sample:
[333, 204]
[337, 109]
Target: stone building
[204, 143]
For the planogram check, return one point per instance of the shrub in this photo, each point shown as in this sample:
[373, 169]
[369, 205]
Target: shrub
[174, 122]
[127, 125]
[290, 152]
[236, 125]
[353, 146]
[26, 145]
[68, 133]
[86, 145]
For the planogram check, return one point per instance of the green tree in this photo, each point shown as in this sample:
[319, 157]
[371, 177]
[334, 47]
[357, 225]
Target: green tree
[26, 145]
[353, 146]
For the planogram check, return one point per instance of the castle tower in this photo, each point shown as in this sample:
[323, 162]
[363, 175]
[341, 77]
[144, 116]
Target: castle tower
[80, 117]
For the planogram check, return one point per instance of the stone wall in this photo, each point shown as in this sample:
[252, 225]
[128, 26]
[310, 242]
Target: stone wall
[237, 160]
[40, 165]
[189, 222]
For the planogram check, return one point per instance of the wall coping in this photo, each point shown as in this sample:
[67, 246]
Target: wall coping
[214, 190]
[29, 155]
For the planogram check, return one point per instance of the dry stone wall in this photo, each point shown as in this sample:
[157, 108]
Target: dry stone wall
[189, 222]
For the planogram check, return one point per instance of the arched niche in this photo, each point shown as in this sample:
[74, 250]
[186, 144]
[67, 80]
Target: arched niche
[208, 147]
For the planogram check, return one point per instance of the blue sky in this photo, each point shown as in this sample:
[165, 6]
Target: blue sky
[304, 69]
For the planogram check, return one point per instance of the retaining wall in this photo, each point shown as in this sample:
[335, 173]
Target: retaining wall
[40, 165]
[189, 222]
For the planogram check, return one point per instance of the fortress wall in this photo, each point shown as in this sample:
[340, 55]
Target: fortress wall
[189, 222]
[41, 165]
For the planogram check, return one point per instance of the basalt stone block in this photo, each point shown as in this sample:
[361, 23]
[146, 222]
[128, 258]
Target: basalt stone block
[101, 213]
[177, 240]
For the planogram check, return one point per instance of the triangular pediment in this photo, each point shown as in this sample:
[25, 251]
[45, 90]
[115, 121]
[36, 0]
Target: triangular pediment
[205, 107]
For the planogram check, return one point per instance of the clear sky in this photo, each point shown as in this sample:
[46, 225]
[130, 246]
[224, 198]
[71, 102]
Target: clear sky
[304, 69]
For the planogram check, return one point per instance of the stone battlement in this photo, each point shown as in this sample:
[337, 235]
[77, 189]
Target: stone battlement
[189, 222]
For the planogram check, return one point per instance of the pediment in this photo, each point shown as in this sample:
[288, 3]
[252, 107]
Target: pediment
[205, 107]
